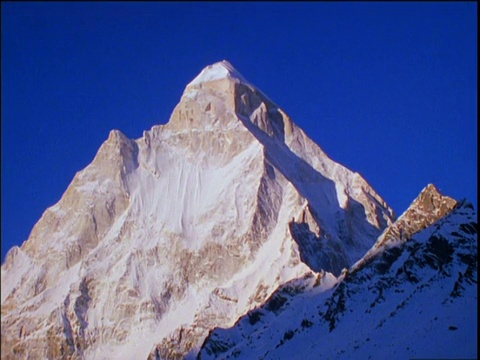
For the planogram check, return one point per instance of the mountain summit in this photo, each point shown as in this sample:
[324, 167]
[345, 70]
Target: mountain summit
[220, 70]
[161, 239]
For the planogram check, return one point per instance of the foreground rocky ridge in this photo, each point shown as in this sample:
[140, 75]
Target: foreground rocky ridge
[416, 298]
[429, 207]
[163, 238]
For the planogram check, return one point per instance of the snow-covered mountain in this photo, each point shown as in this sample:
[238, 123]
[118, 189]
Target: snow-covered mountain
[195, 224]
[413, 298]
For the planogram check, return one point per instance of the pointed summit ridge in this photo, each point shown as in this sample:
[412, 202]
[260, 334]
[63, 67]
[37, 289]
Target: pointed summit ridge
[430, 200]
[429, 207]
[220, 70]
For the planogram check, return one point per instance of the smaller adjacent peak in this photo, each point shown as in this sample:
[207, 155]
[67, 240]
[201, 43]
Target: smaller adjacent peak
[429, 207]
[220, 70]
[431, 188]
[431, 200]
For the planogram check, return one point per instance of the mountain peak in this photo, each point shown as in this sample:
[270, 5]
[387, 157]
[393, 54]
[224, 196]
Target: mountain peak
[431, 189]
[429, 207]
[430, 200]
[220, 70]
[191, 226]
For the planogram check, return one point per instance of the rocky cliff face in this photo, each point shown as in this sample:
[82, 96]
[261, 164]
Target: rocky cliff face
[426, 209]
[429, 207]
[162, 238]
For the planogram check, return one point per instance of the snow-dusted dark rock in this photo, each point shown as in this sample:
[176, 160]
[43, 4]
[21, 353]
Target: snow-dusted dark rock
[163, 238]
[415, 298]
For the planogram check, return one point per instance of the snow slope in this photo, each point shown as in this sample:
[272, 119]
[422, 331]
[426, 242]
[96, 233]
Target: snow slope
[415, 299]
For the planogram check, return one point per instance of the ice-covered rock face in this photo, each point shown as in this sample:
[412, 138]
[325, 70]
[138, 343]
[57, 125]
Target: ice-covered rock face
[163, 238]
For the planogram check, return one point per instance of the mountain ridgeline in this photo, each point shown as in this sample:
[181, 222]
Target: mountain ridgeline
[228, 232]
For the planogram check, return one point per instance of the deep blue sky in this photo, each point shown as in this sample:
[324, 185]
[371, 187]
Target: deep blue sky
[387, 89]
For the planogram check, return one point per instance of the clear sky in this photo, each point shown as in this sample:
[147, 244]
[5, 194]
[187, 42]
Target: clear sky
[387, 89]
